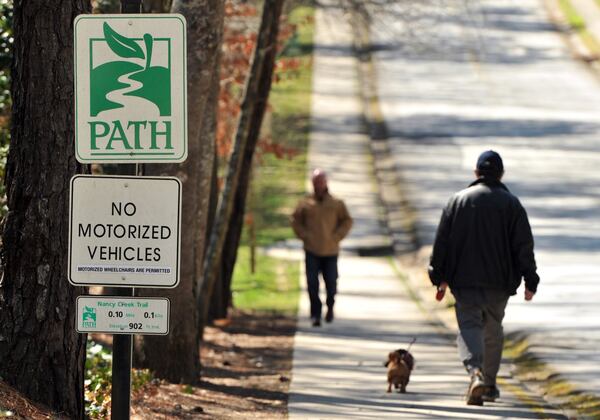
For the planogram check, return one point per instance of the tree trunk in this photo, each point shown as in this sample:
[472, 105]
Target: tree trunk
[222, 301]
[254, 103]
[212, 179]
[175, 357]
[216, 310]
[156, 6]
[230, 248]
[217, 307]
[41, 354]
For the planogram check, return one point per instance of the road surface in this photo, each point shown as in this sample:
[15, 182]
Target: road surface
[458, 77]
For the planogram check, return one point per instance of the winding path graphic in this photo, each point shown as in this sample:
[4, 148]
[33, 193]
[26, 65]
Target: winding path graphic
[120, 96]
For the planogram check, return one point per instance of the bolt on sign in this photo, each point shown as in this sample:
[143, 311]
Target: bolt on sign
[124, 231]
[130, 88]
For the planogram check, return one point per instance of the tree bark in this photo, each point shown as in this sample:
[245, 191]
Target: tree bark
[220, 300]
[41, 354]
[216, 311]
[156, 6]
[222, 294]
[212, 178]
[176, 357]
[254, 103]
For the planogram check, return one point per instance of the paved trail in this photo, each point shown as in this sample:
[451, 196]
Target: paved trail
[461, 77]
[338, 369]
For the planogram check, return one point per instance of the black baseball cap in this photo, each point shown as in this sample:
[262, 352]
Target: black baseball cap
[490, 162]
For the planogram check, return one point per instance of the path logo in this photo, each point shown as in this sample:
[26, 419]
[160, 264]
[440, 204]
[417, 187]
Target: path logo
[89, 317]
[130, 73]
[130, 88]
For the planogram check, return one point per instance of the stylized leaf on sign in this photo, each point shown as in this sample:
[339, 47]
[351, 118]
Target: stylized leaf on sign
[121, 45]
[148, 41]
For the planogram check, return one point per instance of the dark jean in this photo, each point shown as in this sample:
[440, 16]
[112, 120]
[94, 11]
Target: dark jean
[327, 267]
[479, 313]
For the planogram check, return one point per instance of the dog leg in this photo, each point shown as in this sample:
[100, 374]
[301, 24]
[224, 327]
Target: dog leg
[389, 387]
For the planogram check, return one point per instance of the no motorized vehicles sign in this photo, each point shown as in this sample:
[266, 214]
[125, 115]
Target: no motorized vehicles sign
[124, 231]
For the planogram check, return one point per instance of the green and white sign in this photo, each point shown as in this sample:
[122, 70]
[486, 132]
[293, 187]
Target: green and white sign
[124, 231]
[130, 88]
[122, 315]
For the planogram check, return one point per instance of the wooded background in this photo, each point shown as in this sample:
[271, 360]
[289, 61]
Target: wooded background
[234, 50]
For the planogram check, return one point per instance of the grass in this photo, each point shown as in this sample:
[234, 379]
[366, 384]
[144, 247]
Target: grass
[577, 23]
[274, 287]
[279, 182]
[532, 370]
[590, 41]
[573, 18]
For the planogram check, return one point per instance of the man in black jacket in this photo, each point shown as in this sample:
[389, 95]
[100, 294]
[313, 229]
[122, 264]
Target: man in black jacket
[483, 247]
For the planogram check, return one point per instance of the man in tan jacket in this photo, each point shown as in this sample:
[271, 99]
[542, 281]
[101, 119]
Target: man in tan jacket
[321, 221]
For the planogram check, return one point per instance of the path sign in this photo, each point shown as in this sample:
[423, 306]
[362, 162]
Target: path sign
[130, 88]
[120, 315]
[124, 231]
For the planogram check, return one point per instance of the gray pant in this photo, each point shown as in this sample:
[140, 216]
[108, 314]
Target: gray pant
[479, 313]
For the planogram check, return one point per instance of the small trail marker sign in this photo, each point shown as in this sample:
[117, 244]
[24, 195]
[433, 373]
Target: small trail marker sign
[124, 231]
[130, 88]
[122, 315]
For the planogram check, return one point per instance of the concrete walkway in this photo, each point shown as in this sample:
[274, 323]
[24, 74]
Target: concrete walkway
[338, 369]
[338, 142]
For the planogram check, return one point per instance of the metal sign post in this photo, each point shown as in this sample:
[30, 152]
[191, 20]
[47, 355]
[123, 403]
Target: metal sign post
[121, 375]
[131, 6]
[130, 108]
[123, 344]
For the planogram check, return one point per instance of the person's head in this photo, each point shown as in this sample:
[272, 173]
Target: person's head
[319, 181]
[489, 165]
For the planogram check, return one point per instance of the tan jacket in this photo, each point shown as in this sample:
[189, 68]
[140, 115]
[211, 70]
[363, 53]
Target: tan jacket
[321, 224]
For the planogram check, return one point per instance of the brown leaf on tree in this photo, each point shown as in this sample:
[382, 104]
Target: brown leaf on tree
[239, 41]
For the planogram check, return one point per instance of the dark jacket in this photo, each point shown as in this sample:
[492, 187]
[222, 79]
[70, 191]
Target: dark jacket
[484, 241]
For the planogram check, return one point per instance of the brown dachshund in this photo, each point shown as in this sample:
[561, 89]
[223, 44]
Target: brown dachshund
[400, 364]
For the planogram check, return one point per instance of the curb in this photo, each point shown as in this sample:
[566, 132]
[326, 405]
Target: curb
[399, 215]
[575, 42]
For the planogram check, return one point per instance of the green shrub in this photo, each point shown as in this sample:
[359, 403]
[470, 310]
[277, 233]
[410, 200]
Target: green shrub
[6, 42]
[98, 380]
